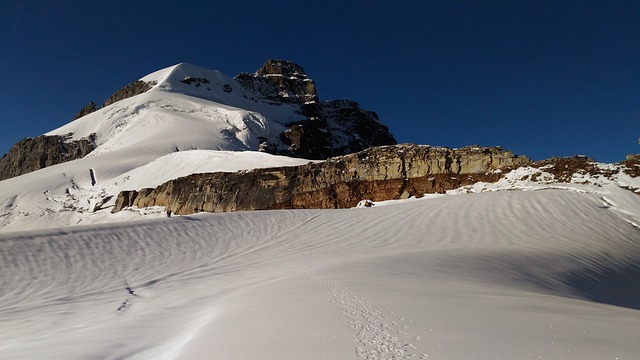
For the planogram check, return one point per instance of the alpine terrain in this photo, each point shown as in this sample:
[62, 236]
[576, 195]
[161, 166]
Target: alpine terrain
[361, 248]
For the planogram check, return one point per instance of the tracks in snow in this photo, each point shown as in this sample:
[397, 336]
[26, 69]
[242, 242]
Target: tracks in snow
[379, 333]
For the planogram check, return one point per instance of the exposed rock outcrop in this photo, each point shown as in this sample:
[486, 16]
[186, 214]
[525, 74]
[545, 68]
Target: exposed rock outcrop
[135, 88]
[33, 154]
[330, 128]
[572, 169]
[280, 81]
[382, 173]
[632, 165]
[91, 107]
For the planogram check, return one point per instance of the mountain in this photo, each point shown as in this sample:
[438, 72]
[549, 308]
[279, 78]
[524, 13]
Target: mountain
[171, 123]
[177, 138]
[275, 110]
[410, 251]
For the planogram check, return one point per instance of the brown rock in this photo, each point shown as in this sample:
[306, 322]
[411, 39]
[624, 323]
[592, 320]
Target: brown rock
[135, 88]
[91, 107]
[33, 154]
[381, 173]
[331, 128]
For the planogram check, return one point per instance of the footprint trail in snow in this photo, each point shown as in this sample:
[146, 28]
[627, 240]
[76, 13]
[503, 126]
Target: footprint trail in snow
[379, 334]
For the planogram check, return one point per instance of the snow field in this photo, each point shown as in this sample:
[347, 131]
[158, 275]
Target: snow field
[511, 275]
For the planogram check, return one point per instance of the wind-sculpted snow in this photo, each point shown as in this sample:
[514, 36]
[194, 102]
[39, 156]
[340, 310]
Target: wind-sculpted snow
[539, 274]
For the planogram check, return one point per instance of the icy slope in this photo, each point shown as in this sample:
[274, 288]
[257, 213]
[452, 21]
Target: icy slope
[514, 275]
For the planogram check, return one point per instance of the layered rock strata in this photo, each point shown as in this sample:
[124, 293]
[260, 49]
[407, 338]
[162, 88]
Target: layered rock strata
[382, 173]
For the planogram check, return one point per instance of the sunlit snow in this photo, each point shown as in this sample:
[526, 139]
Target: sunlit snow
[512, 275]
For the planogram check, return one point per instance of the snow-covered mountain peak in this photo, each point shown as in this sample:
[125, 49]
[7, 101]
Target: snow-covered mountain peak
[277, 81]
[198, 81]
[183, 108]
[187, 106]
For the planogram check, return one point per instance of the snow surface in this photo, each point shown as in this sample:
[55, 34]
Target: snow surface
[547, 274]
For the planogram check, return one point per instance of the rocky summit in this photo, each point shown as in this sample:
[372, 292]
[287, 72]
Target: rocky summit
[329, 128]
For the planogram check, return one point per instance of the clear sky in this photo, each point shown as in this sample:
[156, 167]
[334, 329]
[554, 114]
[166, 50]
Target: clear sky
[541, 78]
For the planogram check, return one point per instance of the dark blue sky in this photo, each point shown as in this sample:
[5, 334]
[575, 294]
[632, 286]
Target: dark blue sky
[541, 78]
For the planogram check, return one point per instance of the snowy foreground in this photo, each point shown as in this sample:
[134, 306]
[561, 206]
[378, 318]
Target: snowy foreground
[548, 274]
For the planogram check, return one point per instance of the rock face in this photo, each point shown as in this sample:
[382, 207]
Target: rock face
[632, 165]
[382, 173]
[280, 81]
[135, 88]
[330, 128]
[36, 153]
[91, 107]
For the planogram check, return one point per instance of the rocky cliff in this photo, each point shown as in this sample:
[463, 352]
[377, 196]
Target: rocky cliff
[330, 128]
[381, 173]
[91, 107]
[33, 154]
[135, 88]
[280, 81]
